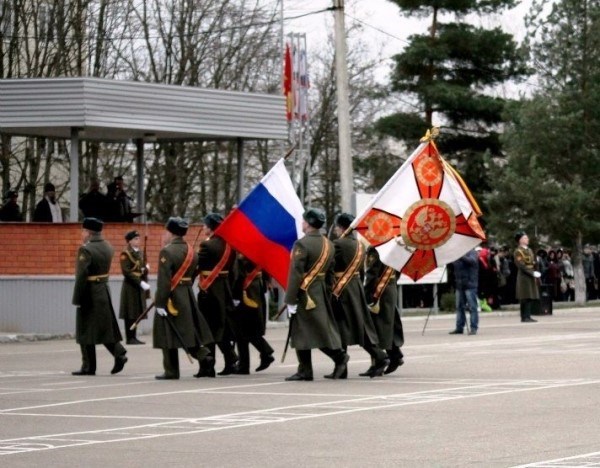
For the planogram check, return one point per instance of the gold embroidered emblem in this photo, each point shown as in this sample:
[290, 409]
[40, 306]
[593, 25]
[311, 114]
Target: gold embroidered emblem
[163, 259]
[379, 227]
[81, 257]
[297, 251]
[429, 171]
[427, 224]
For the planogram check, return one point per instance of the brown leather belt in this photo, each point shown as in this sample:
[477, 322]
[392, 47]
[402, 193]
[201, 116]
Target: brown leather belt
[98, 278]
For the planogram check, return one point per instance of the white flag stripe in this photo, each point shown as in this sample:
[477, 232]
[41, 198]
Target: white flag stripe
[277, 181]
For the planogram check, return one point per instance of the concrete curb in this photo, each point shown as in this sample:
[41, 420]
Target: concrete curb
[25, 337]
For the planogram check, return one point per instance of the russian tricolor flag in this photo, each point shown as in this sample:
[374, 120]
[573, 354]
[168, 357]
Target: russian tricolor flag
[266, 223]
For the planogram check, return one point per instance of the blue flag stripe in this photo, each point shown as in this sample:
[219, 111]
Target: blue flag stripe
[269, 217]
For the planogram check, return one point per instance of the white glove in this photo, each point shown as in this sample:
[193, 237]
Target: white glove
[162, 312]
[292, 309]
[537, 274]
[236, 303]
[147, 268]
[145, 286]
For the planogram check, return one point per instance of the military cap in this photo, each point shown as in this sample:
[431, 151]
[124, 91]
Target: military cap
[49, 187]
[519, 234]
[213, 220]
[314, 217]
[93, 224]
[344, 220]
[131, 235]
[177, 226]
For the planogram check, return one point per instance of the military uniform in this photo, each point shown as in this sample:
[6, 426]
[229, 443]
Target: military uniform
[385, 314]
[216, 300]
[351, 310]
[526, 288]
[313, 324]
[95, 319]
[248, 318]
[133, 297]
[180, 304]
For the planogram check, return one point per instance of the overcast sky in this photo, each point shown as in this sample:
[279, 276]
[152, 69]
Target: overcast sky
[384, 28]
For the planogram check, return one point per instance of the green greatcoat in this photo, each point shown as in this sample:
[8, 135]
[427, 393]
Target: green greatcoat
[217, 301]
[526, 287]
[189, 322]
[387, 321]
[95, 320]
[351, 310]
[315, 328]
[133, 297]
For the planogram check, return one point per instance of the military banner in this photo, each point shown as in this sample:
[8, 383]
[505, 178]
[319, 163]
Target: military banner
[424, 217]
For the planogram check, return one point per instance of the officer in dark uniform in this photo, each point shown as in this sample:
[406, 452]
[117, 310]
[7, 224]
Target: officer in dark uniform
[178, 323]
[382, 296]
[215, 265]
[312, 324]
[527, 277]
[248, 318]
[95, 320]
[134, 288]
[349, 302]
[10, 210]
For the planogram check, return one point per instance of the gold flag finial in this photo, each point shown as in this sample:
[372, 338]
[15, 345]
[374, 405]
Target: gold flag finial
[431, 135]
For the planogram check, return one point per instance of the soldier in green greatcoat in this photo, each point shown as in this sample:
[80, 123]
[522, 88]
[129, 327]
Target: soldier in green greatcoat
[178, 322]
[527, 291]
[349, 302]
[95, 321]
[382, 296]
[312, 324]
[134, 288]
[216, 275]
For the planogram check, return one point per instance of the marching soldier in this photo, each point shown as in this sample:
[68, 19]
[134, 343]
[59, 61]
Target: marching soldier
[95, 321]
[382, 296]
[133, 291]
[179, 323]
[527, 288]
[249, 315]
[312, 324]
[349, 302]
[215, 265]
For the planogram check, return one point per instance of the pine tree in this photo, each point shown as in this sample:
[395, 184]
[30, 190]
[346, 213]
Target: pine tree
[450, 73]
[550, 181]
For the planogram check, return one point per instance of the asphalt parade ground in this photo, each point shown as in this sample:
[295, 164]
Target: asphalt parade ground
[516, 394]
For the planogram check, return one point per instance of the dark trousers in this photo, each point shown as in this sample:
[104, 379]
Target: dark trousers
[376, 353]
[526, 308]
[243, 346]
[129, 334]
[305, 359]
[88, 354]
[226, 348]
[171, 359]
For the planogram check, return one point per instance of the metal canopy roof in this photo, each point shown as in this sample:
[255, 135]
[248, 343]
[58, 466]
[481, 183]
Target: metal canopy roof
[110, 110]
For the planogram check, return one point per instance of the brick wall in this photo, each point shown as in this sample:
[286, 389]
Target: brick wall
[50, 249]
